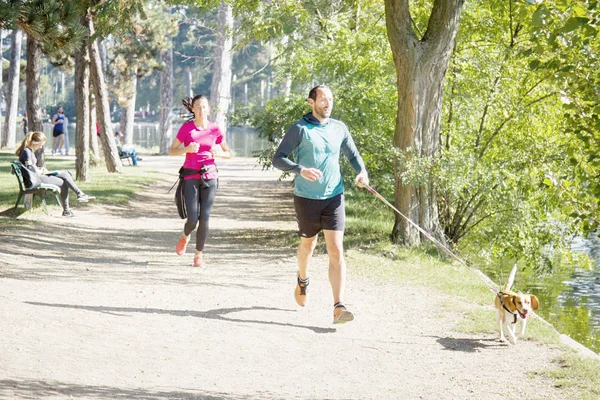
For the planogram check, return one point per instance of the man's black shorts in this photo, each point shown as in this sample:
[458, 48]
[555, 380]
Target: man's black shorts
[315, 215]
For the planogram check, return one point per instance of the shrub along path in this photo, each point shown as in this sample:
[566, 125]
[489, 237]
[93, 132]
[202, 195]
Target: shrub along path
[100, 307]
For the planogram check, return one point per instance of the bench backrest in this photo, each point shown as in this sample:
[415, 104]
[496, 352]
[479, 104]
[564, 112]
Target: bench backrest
[16, 168]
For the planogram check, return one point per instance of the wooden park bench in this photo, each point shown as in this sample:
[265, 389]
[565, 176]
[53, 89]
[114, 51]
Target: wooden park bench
[41, 190]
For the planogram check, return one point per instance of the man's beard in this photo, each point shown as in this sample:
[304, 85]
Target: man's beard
[322, 113]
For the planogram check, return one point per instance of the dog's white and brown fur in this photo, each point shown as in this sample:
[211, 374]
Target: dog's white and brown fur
[512, 307]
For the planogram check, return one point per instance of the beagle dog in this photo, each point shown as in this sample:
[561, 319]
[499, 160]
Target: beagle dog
[512, 307]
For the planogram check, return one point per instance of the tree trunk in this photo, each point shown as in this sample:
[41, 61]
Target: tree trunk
[1, 79]
[220, 89]
[111, 154]
[82, 101]
[9, 134]
[421, 65]
[94, 146]
[188, 82]
[128, 110]
[166, 100]
[34, 110]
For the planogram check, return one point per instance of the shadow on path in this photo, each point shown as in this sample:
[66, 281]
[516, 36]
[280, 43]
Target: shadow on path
[217, 314]
[468, 345]
[32, 389]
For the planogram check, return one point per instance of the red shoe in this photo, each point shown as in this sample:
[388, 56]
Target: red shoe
[199, 263]
[181, 245]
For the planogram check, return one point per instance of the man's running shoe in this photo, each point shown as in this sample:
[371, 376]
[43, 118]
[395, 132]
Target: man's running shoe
[341, 314]
[300, 292]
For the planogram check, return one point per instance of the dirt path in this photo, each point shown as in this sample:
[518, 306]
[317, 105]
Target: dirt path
[104, 309]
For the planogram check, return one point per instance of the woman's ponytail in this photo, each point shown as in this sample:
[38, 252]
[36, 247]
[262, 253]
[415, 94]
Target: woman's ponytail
[31, 137]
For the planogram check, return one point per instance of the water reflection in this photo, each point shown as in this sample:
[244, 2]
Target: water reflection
[243, 140]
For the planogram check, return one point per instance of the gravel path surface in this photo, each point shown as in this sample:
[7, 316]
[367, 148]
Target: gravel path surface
[100, 307]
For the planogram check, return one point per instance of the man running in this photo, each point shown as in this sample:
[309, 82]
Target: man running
[315, 143]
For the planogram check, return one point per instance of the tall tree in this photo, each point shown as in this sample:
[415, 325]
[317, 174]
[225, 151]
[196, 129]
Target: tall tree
[421, 65]
[52, 28]
[82, 101]
[220, 90]
[12, 98]
[106, 16]
[32, 85]
[111, 154]
[1, 71]
[94, 145]
[166, 98]
[135, 53]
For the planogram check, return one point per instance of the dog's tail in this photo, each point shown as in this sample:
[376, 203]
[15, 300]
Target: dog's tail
[511, 278]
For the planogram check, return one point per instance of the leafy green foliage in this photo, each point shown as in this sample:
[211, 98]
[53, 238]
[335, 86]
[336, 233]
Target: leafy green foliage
[346, 49]
[55, 24]
[509, 187]
[135, 48]
[566, 45]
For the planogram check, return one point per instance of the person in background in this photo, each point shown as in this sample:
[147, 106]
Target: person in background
[126, 150]
[25, 124]
[58, 132]
[63, 179]
[316, 142]
[201, 141]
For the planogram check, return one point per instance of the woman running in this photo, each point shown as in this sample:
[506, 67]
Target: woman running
[200, 140]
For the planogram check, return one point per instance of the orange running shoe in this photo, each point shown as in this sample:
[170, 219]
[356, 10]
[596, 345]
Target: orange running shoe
[300, 292]
[181, 245]
[341, 314]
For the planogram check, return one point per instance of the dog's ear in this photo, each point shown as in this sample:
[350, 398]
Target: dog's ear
[534, 302]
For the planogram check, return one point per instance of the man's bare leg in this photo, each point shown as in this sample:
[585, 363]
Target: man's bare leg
[304, 254]
[334, 240]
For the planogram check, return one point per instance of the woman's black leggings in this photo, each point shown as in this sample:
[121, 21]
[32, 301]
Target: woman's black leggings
[199, 197]
[64, 181]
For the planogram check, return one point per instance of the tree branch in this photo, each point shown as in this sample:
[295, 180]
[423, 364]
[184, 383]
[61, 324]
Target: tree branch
[398, 22]
[444, 18]
[483, 219]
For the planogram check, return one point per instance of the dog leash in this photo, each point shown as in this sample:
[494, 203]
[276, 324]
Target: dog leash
[486, 280]
[438, 244]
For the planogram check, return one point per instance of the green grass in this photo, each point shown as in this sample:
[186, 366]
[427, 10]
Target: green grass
[572, 372]
[109, 188]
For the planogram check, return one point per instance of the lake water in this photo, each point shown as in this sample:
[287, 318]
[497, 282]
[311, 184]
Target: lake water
[570, 299]
[244, 141]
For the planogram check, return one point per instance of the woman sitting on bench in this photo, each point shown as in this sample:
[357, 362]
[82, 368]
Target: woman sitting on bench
[63, 179]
